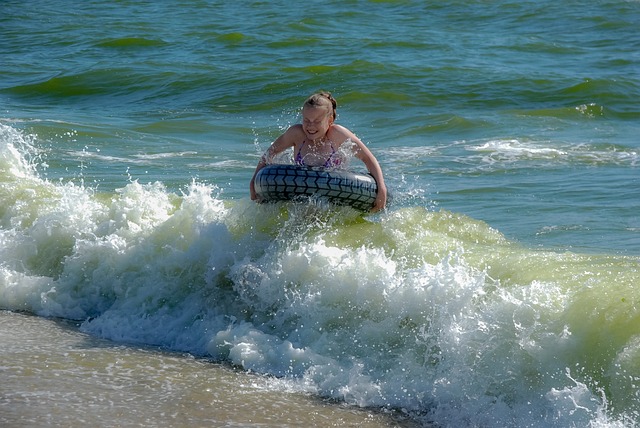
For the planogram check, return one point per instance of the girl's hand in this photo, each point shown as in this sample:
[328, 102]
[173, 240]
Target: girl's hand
[381, 200]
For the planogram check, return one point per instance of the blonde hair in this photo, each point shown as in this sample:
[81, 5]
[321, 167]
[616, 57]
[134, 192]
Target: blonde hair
[323, 99]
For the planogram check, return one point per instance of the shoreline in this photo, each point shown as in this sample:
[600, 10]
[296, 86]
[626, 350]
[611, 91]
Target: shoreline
[53, 374]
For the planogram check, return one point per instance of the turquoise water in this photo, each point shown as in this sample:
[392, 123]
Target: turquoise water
[498, 289]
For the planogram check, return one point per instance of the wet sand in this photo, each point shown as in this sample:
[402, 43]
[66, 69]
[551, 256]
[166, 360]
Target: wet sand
[51, 374]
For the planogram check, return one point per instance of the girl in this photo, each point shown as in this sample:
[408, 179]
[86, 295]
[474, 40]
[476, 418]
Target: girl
[317, 141]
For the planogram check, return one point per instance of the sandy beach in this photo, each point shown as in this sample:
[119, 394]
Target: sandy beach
[54, 375]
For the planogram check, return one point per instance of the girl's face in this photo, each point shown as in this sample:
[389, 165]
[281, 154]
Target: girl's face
[315, 122]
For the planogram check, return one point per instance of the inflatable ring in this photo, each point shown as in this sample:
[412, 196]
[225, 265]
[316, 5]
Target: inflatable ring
[289, 182]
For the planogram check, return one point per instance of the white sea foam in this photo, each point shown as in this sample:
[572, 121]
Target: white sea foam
[511, 150]
[517, 148]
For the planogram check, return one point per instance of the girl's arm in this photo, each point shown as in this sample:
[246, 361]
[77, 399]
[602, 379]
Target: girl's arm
[282, 143]
[364, 154]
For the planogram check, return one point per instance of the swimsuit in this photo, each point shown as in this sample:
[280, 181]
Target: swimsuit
[331, 162]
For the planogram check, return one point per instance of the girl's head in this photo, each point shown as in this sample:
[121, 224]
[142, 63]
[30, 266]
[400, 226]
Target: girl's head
[318, 113]
[322, 100]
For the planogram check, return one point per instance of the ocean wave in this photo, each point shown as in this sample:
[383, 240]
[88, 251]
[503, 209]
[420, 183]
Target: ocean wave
[131, 42]
[414, 309]
[506, 151]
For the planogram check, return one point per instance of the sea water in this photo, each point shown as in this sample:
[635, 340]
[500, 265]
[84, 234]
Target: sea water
[499, 288]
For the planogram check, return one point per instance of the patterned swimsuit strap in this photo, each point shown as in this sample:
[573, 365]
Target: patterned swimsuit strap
[299, 159]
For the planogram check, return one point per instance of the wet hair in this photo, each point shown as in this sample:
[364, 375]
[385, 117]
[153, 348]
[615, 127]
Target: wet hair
[323, 99]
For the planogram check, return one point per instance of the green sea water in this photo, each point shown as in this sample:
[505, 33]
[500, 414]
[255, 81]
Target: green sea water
[500, 286]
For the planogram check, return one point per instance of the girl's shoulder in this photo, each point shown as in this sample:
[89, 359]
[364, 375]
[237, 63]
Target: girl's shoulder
[295, 130]
[293, 134]
[339, 133]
